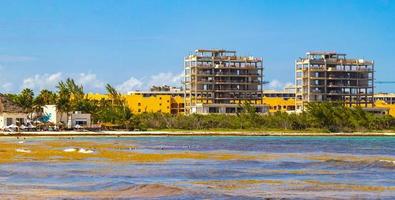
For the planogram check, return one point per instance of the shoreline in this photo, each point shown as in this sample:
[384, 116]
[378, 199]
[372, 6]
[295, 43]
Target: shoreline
[183, 133]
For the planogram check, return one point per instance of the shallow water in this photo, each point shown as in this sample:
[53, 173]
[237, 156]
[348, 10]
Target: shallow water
[199, 167]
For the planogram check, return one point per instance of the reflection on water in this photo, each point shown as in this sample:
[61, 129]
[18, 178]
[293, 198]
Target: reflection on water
[198, 167]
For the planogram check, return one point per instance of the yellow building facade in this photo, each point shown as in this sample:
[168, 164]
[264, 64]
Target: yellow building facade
[140, 102]
[174, 104]
[279, 104]
[156, 103]
[383, 104]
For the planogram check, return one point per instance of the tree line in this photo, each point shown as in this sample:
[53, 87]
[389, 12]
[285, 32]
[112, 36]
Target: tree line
[114, 111]
[326, 116]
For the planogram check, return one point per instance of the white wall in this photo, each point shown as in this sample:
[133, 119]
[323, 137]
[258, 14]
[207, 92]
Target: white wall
[78, 117]
[54, 116]
[69, 121]
[13, 116]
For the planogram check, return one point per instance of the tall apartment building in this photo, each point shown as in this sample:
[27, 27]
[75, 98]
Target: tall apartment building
[330, 76]
[219, 81]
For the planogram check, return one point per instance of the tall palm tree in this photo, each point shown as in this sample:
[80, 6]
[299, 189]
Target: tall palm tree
[119, 109]
[63, 100]
[45, 97]
[25, 99]
[114, 95]
[77, 91]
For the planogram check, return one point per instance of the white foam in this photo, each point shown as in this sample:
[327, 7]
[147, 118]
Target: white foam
[70, 150]
[79, 150]
[23, 150]
[82, 150]
[388, 161]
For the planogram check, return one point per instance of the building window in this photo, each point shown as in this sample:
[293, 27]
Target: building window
[81, 122]
[19, 121]
[139, 110]
[139, 104]
[9, 121]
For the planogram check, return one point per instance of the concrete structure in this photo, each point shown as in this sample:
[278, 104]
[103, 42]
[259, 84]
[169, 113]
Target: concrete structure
[286, 93]
[330, 76]
[378, 110]
[166, 88]
[11, 114]
[70, 120]
[388, 98]
[219, 81]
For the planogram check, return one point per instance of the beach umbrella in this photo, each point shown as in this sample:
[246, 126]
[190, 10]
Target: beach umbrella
[12, 126]
[78, 126]
[31, 126]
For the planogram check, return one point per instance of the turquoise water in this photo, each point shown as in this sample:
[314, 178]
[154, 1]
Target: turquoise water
[283, 167]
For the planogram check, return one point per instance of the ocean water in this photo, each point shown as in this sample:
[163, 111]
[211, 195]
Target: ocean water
[188, 167]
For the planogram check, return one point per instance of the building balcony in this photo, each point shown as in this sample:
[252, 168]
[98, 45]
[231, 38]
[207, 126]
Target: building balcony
[227, 82]
[226, 74]
[210, 66]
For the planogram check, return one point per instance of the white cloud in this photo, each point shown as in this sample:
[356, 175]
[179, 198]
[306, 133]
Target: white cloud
[7, 87]
[89, 81]
[166, 78]
[278, 85]
[92, 83]
[42, 81]
[129, 85]
[50, 81]
[163, 78]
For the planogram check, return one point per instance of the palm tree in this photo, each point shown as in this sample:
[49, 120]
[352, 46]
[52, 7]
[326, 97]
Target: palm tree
[117, 111]
[114, 95]
[63, 100]
[77, 91]
[25, 99]
[45, 97]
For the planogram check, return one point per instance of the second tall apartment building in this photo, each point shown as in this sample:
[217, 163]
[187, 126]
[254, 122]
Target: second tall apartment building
[330, 76]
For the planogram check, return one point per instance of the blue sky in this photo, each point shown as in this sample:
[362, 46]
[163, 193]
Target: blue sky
[133, 44]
